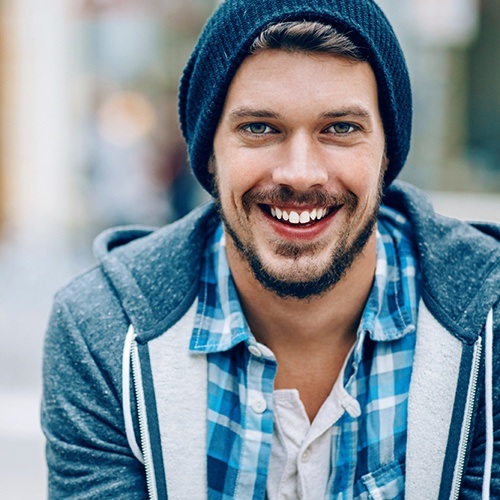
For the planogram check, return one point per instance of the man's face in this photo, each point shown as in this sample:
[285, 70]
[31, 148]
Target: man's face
[298, 164]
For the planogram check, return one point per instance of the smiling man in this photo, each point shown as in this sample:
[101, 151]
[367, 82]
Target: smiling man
[315, 332]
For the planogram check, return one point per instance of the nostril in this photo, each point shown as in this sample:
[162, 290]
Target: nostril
[300, 178]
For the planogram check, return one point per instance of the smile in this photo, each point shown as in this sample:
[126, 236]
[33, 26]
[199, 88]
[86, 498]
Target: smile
[299, 216]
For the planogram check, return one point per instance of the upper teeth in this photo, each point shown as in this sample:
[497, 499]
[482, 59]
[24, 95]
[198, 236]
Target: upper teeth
[295, 217]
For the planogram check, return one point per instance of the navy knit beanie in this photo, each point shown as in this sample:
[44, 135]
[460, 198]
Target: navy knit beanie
[231, 30]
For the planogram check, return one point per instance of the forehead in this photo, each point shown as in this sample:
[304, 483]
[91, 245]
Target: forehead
[304, 80]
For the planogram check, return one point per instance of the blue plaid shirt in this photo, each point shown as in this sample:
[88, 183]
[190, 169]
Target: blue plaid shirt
[368, 451]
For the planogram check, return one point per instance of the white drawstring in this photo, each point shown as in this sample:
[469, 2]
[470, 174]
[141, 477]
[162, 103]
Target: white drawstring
[488, 390]
[127, 413]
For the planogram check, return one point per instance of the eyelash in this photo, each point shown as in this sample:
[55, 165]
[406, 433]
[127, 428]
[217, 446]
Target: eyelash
[271, 130]
[248, 127]
[352, 128]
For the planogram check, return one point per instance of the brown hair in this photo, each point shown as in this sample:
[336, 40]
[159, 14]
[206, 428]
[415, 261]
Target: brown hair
[307, 36]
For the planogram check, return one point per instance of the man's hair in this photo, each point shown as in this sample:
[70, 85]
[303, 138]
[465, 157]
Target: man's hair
[307, 36]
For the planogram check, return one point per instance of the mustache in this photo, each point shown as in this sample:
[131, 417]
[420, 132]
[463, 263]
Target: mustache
[281, 195]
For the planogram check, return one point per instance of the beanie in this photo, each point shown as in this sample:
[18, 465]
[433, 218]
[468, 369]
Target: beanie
[227, 37]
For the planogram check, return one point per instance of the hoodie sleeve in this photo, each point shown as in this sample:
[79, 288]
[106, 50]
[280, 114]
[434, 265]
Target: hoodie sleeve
[472, 484]
[87, 451]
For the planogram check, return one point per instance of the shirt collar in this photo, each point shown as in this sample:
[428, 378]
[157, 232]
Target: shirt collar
[391, 309]
[220, 323]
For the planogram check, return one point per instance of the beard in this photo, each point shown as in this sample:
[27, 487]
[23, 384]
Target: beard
[318, 279]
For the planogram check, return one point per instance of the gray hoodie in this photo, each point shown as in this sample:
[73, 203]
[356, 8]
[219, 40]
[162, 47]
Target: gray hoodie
[135, 306]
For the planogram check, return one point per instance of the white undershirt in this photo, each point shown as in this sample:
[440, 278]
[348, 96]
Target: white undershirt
[299, 466]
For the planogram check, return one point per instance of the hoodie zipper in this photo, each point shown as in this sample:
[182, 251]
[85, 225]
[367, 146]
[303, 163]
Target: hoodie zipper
[141, 412]
[469, 411]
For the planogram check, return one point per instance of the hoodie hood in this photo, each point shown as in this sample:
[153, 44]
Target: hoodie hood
[459, 262]
[155, 273]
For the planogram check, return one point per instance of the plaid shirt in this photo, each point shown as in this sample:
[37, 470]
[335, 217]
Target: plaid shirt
[368, 451]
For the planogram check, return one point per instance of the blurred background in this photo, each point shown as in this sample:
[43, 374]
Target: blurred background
[89, 139]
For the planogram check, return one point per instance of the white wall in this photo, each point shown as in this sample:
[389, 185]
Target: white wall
[37, 132]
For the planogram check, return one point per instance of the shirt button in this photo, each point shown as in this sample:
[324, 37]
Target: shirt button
[255, 351]
[258, 405]
[306, 455]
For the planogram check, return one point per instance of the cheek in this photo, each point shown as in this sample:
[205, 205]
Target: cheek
[232, 185]
[361, 174]
[242, 171]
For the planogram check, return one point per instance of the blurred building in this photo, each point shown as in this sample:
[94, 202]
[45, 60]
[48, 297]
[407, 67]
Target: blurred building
[90, 135]
[453, 49]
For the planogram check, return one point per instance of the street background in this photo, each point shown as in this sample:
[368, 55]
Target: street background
[89, 139]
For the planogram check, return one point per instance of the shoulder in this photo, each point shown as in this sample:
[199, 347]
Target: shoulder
[444, 239]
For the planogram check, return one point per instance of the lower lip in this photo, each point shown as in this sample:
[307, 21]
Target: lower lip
[301, 232]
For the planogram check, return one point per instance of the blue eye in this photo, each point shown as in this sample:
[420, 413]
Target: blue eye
[342, 128]
[258, 128]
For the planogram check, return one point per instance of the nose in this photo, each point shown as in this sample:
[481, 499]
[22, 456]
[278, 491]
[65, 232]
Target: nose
[300, 164]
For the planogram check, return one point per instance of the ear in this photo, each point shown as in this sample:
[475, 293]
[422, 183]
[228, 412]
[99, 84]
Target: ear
[211, 164]
[385, 162]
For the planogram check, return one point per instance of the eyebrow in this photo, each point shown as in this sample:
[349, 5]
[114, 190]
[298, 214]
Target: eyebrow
[247, 112]
[356, 111]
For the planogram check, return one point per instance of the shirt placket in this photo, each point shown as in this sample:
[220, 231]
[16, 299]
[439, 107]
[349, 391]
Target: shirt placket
[345, 431]
[257, 406]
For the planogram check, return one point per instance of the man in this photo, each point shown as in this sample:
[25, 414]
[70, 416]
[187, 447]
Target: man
[295, 339]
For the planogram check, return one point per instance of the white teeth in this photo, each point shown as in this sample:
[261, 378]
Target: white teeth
[304, 217]
[295, 217]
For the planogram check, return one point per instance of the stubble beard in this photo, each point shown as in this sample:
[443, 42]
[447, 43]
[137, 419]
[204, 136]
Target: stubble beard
[341, 258]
